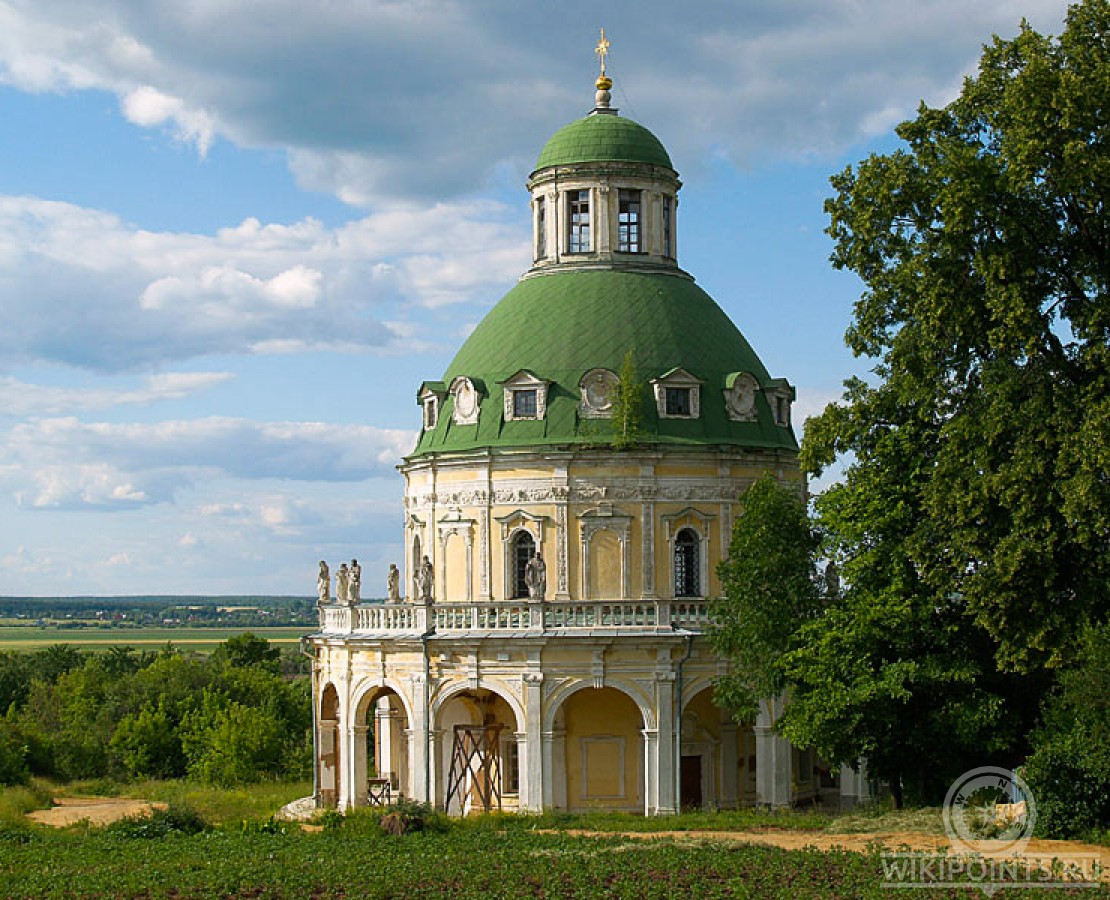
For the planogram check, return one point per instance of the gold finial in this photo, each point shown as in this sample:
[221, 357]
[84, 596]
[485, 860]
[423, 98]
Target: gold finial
[602, 50]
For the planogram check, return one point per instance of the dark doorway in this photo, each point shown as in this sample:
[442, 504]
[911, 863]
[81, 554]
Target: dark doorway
[691, 782]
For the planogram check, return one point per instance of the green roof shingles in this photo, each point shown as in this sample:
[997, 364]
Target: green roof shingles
[603, 138]
[563, 324]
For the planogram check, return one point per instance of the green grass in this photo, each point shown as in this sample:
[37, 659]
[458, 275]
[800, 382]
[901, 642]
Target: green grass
[462, 861]
[220, 806]
[34, 637]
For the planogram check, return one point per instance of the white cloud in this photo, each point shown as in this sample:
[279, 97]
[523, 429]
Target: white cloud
[429, 99]
[89, 290]
[19, 398]
[63, 463]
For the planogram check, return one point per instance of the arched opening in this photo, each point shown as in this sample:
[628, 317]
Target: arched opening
[601, 730]
[717, 762]
[381, 748]
[327, 762]
[479, 762]
[687, 564]
[524, 547]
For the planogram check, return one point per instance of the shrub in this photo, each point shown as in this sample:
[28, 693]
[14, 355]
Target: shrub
[161, 822]
[406, 816]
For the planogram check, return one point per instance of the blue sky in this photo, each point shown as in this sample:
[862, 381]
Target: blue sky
[235, 236]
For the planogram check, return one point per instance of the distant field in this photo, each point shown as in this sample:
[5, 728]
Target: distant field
[31, 637]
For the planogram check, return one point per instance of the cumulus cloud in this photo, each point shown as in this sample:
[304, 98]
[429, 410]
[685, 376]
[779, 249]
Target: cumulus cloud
[63, 463]
[427, 99]
[89, 290]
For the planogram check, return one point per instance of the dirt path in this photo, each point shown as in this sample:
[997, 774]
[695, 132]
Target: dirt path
[98, 810]
[891, 840]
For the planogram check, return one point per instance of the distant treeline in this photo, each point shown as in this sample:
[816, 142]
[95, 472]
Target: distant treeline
[244, 609]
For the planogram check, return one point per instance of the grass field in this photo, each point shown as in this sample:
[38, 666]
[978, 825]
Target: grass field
[33, 637]
[489, 856]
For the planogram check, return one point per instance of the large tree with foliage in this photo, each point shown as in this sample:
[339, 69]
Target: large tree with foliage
[973, 520]
[769, 588]
[984, 247]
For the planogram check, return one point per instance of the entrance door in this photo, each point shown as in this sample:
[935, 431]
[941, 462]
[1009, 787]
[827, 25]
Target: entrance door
[691, 782]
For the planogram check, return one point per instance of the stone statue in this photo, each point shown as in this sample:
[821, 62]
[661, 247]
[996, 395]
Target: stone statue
[323, 585]
[393, 585]
[342, 585]
[354, 586]
[535, 577]
[425, 581]
[832, 579]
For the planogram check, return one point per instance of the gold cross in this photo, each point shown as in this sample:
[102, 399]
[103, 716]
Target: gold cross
[602, 50]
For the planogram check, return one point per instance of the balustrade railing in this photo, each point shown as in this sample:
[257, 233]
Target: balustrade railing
[397, 618]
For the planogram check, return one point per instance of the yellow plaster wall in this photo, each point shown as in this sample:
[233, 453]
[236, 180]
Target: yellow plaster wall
[455, 569]
[603, 733]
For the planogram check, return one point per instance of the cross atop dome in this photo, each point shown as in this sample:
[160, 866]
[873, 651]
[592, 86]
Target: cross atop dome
[604, 82]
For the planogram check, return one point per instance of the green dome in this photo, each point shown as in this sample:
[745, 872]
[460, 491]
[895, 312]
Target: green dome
[604, 137]
[562, 325]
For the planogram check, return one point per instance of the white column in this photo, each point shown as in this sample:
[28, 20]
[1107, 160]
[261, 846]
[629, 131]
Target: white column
[359, 774]
[729, 796]
[653, 784]
[773, 758]
[667, 753]
[530, 753]
[555, 769]
[421, 786]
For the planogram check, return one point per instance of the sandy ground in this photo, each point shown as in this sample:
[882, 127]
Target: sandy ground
[895, 840]
[98, 810]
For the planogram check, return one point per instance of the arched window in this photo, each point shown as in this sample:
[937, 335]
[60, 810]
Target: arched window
[687, 564]
[524, 546]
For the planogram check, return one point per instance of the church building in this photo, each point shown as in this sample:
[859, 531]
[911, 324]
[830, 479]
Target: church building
[561, 556]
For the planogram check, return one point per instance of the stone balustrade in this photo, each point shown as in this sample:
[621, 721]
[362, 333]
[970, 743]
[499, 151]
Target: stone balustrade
[454, 618]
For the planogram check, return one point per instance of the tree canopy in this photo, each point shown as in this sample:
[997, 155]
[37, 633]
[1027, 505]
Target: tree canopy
[984, 248]
[972, 522]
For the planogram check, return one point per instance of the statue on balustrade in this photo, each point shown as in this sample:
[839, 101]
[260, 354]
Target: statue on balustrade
[393, 585]
[425, 581]
[354, 585]
[323, 585]
[342, 585]
[535, 578]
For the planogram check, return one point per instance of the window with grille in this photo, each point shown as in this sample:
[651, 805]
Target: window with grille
[578, 217]
[667, 249]
[524, 546]
[524, 404]
[541, 228]
[628, 221]
[678, 401]
[687, 580]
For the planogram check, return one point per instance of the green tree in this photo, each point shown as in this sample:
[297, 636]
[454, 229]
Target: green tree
[984, 247]
[769, 588]
[147, 744]
[248, 650]
[628, 404]
[1069, 772]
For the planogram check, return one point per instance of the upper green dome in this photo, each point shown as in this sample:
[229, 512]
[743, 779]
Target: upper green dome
[603, 137]
[561, 325]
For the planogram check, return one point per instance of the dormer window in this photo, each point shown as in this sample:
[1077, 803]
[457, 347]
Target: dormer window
[780, 394]
[628, 221]
[429, 396]
[677, 395]
[578, 219]
[525, 396]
